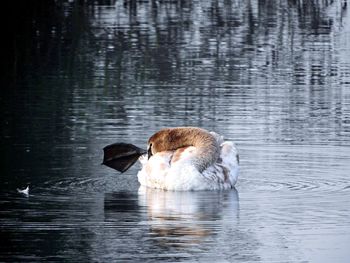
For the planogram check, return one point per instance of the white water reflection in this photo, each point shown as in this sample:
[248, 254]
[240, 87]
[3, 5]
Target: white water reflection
[171, 225]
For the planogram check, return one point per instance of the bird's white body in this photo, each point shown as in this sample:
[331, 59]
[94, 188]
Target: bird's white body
[171, 170]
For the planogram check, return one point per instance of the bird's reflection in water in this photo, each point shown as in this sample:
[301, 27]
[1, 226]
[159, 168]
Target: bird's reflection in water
[119, 202]
[173, 225]
[179, 219]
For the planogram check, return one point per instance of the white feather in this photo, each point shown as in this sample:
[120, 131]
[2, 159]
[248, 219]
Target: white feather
[24, 191]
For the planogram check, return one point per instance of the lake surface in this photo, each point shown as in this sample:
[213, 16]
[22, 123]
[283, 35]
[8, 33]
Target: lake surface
[273, 76]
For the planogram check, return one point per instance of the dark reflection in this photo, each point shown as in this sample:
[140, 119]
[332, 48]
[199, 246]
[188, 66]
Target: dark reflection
[160, 40]
[109, 69]
[120, 202]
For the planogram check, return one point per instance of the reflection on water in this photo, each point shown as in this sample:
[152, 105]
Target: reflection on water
[187, 214]
[274, 76]
[173, 225]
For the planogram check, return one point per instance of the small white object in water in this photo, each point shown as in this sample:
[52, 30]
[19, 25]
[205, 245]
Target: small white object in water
[24, 191]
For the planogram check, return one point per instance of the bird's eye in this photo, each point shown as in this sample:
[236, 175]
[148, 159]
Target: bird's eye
[149, 152]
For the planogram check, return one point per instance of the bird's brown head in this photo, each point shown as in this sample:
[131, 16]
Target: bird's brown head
[166, 140]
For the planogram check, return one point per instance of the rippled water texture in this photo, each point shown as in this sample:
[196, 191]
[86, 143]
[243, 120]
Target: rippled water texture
[274, 76]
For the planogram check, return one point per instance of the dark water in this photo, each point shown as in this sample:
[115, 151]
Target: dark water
[274, 76]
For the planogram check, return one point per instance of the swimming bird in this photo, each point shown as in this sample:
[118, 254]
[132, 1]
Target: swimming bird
[24, 191]
[182, 158]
